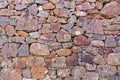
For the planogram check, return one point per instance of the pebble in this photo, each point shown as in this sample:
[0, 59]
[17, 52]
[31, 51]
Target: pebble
[20, 7]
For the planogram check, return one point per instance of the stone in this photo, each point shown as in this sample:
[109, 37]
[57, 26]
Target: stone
[112, 6]
[69, 4]
[10, 74]
[6, 12]
[86, 6]
[106, 70]
[40, 1]
[3, 39]
[50, 36]
[42, 20]
[9, 50]
[63, 73]
[55, 1]
[39, 49]
[90, 67]
[104, 1]
[27, 22]
[78, 71]
[20, 7]
[33, 9]
[40, 8]
[59, 62]
[72, 60]
[97, 43]
[44, 14]
[76, 49]
[115, 78]
[63, 36]
[99, 59]
[27, 79]
[38, 72]
[92, 50]
[87, 59]
[52, 19]
[72, 19]
[10, 30]
[67, 45]
[19, 63]
[77, 31]
[114, 59]
[110, 41]
[55, 27]
[67, 26]
[23, 50]
[3, 4]
[112, 28]
[119, 70]
[90, 76]
[45, 30]
[17, 39]
[81, 40]
[99, 5]
[63, 52]
[105, 51]
[116, 49]
[26, 73]
[4, 21]
[95, 27]
[22, 33]
[34, 34]
[80, 13]
[98, 37]
[27, 2]
[61, 12]
[48, 6]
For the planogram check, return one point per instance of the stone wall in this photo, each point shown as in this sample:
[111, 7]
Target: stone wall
[59, 39]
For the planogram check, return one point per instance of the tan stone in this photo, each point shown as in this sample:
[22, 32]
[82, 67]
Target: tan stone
[64, 52]
[10, 30]
[61, 12]
[63, 73]
[48, 6]
[99, 59]
[22, 33]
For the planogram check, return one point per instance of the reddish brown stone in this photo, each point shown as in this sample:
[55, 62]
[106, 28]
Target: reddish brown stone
[111, 9]
[72, 60]
[33, 9]
[10, 30]
[20, 63]
[76, 49]
[61, 12]
[47, 36]
[86, 6]
[64, 52]
[55, 27]
[81, 40]
[87, 59]
[45, 30]
[99, 59]
[105, 50]
[52, 19]
[48, 63]
[48, 6]
[42, 20]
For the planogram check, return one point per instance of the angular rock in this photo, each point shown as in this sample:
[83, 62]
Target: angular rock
[80, 13]
[112, 6]
[72, 60]
[116, 49]
[63, 73]
[17, 39]
[39, 49]
[55, 27]
[51, 19]
[87, 59]
[61, 12]
[34, 34]
[43, 14]
[90, 76]
[27, 2]
[105, 51]
[63, 36]
[114, 59]
[76, 49]
[3, 4]
[47, 36]
[10, 30]
[78, 71]
[90, 67]
[19, 63]
[48, 6]
[9, 50]
[27, 22]
[23, 50]
[77, 31]
[55, 1]
[63, 52]
[4, 21]
[97, 43]
[3, 39]
[69, 4]
[20, 7]
[115, 78]
[86, 6]
[33, 9]
[92, 50]
[81, 40]
[67, 26]
[6, 12]
[40, 1]
[99, 59]
[95, 27]
[26, 73]
[22, 33]
[67, 45]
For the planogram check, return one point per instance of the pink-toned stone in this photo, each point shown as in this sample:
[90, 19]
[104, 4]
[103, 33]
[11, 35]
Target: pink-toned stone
[86, 6]
[55, 27]
[81, 40]
[63, 73]
[6, 12]
[64, 52]
[48, 6]
[90, 67]
[47, 36]
[76, 49]
[99, 59]
[10, 30]
[33, 9]
[61, 12]
[19, 63]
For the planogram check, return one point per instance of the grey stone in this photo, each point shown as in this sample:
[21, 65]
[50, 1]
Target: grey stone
[23, 50]
[20, 7]
[115, 78]
[43, 14]
[40, 1]
[67, 26]
[26, 73]
[4, 21]
[13, 22]
[3, 39]
[17, 39]
[112, 27]
[34, 34]
[116, 49]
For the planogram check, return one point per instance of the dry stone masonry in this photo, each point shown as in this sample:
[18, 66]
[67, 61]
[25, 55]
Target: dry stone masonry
[59, 39]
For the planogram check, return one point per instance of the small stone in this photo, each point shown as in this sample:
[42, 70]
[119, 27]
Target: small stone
[86, 6]
[44, 14]
[19, 63]
[104, 1]
[80, 13]
[3, 39]
[27, 2]
[4, 21]
[116, 49]
[17, 39]
[64, 52]
[72, 19]
[92, 0]
[40, 8]
[10, 30]
[77, 31]
[39, 49]
[90, 76]
[95, 27]
[114, 59]
[23, 50]
[3, 4]
[48, 6]
[40, 1]
[69, 4]
[38, 72]
[20, 7]
[59, 62]
[27, 79]
[45, 30]
[98, 37]
[115, 78]
[99, 5]
[63, 36]
[55, 27]
[67, 26]
[63, 73]
[55, 1]
[90, 67]
[51, 19]
[99, 59]
[9, 50]
[67, 45]
[34, 34]
[106, 70]
[87, 59]
[97, 43]
[61, 12]
[81, 40]
[110, 41]
[76, 49]
[33, 9]
[72, 60]
[26, 73]
[42, 20]
[47, 36]
[22, 33]
[112, 6]
[78, 71]
[92, 50]
[6, 12]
